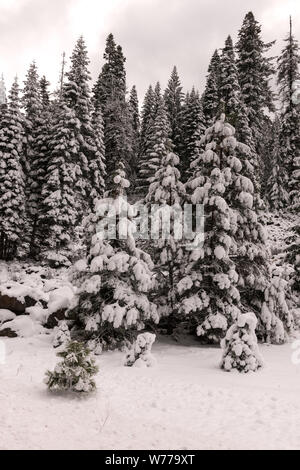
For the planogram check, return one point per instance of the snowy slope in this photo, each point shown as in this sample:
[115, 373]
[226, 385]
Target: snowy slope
[185, 402]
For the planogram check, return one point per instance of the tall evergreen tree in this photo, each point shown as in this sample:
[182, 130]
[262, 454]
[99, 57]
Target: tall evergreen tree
[12, 180]
[110, 94]
[231, 271]
[255, 71]
[148, 114]
[174, 102]
[168, 192]
[59, 206]
[277, 195]
[77, 96]
[33, 163]
[155, 147]
[193, 127]
[135, 124]
[116, 277]
[288, 74]
[211, 95]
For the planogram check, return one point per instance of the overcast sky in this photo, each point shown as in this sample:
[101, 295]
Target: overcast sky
[154, 34]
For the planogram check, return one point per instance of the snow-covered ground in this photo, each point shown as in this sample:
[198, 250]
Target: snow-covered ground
[185, 402]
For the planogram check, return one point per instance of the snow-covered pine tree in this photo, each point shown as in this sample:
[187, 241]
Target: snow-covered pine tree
[76, 93]
[115, 279]
[232, 271]
[110, 95]
[12, 180]
[276, 193]
[97, 164]
[231, 102]
[34, 163]
[168, 193]
[288, 74]
[211, 96]
[255, 71]
[173, 97]
[148, 114]
[74, 373]
[59, 198]
[293, 257]
[193, 128]
[240, 349]
[135, 123]
[155, 144]
[3, 99]
[139, 354]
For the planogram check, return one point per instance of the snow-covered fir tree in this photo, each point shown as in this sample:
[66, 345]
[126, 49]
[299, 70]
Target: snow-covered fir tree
[288, 74]
[276, 193]
[255, 71]
[33, 163]
[148, 114]
[168, 193]
[211, 96]
[110, 95]
[12, 180]
[193, 128]
[59, 204]
[3, 99]
[173, 97]
[240, 349]
[115, 279]
[139, 354]
[231, 271]
[76, 93]
[155, 143]
[76, 370]
[135, 123]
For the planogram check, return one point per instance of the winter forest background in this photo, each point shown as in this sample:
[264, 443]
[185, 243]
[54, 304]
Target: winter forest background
[68, 155]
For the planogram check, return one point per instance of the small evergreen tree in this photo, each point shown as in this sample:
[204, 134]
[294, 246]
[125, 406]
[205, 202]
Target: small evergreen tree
[74, 373]
[12, 180]
[240, 349]
[61, 335]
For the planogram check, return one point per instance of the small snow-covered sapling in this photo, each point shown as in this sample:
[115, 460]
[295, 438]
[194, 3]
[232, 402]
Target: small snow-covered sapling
[61, 335]
[75, 371]
[139, 355]
[240, 349]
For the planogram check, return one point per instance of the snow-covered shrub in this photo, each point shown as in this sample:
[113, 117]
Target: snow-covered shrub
[240, 349]
[139, 355]
[75, 371]
[61, 335]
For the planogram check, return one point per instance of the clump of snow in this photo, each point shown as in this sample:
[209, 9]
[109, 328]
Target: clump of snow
[23, 326]
[139, 355]
[6, 315]
[60, 298]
